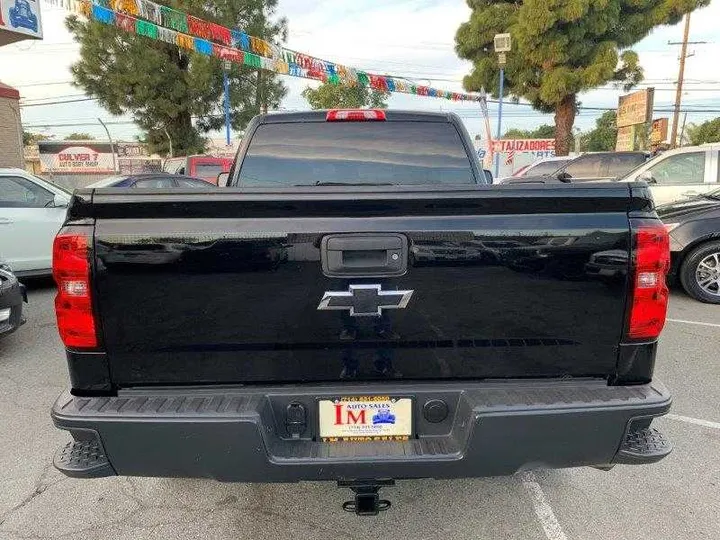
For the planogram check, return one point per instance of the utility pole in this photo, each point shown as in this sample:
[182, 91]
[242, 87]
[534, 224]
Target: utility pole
[682, 130]
[681, 76]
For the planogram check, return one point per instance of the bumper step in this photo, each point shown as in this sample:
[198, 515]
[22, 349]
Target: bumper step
[646, 445]
[83, 459]
[239, 433]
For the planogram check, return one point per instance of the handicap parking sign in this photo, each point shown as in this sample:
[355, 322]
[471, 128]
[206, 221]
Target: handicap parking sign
[481, 153]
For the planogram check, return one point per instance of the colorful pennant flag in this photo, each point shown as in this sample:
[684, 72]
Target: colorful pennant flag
[154, 21]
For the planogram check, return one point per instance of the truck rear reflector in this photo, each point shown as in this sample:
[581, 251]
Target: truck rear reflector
[73, 303]
[650, 291]
[355, 115]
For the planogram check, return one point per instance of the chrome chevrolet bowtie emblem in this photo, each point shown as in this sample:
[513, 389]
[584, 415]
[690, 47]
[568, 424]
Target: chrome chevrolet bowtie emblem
[365, 300]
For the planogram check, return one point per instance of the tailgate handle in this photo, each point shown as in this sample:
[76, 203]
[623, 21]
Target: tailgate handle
[364, 255]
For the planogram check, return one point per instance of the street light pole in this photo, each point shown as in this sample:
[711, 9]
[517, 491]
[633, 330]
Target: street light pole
[503, 45]
[112, 144]
[499, 121]
[226, 86]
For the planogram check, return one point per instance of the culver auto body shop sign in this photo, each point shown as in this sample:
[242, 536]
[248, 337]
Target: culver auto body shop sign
[73, 157]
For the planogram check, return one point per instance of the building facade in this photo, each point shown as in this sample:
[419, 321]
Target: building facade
[11, 143]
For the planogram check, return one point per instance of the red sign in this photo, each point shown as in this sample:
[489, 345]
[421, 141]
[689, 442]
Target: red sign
[75, 157]
[524, 145]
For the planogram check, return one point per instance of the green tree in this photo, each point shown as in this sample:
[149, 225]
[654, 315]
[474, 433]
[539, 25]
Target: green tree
[603, 137]
[561, 48]
[340, 96]
[30, 138]
[170, 92]
[80, 137]
[707, 132]
[544, 131]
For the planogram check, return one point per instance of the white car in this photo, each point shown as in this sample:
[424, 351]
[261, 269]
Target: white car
[31, 213]
[544, 166]
[681, 173]
[540, 167]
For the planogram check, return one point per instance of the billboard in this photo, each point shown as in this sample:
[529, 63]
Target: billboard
[659, 131]
[19, 19]
[73, 157]
[634, 115]
[635, 108]
[131, 149]
[139, 165]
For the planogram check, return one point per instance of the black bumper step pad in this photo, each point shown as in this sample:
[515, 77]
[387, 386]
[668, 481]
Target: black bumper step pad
[83, 459]
[646, 445]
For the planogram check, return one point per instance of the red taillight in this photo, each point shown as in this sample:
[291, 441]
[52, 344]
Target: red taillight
[650, 292]
[355, 115]
[73, 303]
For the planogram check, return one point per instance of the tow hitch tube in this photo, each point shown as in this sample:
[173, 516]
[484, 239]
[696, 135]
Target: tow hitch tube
[367, 500]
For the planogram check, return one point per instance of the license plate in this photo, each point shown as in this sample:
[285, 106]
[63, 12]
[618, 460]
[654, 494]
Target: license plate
[365, 418]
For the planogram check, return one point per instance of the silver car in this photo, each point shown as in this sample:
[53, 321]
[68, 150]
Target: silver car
[31, 213]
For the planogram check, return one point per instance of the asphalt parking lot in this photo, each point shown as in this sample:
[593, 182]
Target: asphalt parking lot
[678, 498]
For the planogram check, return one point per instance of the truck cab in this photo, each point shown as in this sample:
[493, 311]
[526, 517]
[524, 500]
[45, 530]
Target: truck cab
[205, 167]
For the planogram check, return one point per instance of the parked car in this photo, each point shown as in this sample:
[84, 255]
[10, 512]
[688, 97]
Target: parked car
[257, 341]
[151, 180]
[600, 166]
[205, 167]
[31, 212]
[594, 166]
[543, 167]
[681, 173]
[12, 296]
[694, 226]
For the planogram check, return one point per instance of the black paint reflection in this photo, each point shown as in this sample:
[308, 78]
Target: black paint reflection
[242, 307]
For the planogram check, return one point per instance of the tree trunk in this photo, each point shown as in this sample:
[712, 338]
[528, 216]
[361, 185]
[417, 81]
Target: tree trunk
[564, 120]
[183, 135]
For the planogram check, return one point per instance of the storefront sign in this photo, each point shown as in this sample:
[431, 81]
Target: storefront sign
[515, 153]
[659, 131]
[625, 139]
[534, 146]
[131, 150]
[139, 165]
[635, 108]
[19, 19]
[75, 157]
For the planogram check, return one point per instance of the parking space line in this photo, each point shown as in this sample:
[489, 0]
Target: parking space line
[696, 421]
[714, 325]
[543, 510]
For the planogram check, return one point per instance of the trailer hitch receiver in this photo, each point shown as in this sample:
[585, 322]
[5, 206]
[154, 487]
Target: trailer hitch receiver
[367, 500]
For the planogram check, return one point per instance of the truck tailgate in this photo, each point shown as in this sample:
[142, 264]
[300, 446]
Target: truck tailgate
[226, 287]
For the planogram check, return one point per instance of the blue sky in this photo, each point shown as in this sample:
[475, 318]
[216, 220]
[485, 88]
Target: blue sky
[413, 38]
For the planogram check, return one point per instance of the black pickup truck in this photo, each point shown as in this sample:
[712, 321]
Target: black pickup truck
[358, 306]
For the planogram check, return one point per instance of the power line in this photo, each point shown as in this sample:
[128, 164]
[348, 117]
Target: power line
[22, 106]
[79, 124]
[49, 83]
[55, 98]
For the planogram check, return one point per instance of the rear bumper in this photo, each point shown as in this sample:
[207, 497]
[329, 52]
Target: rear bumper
[12, 295]
[241, 434]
